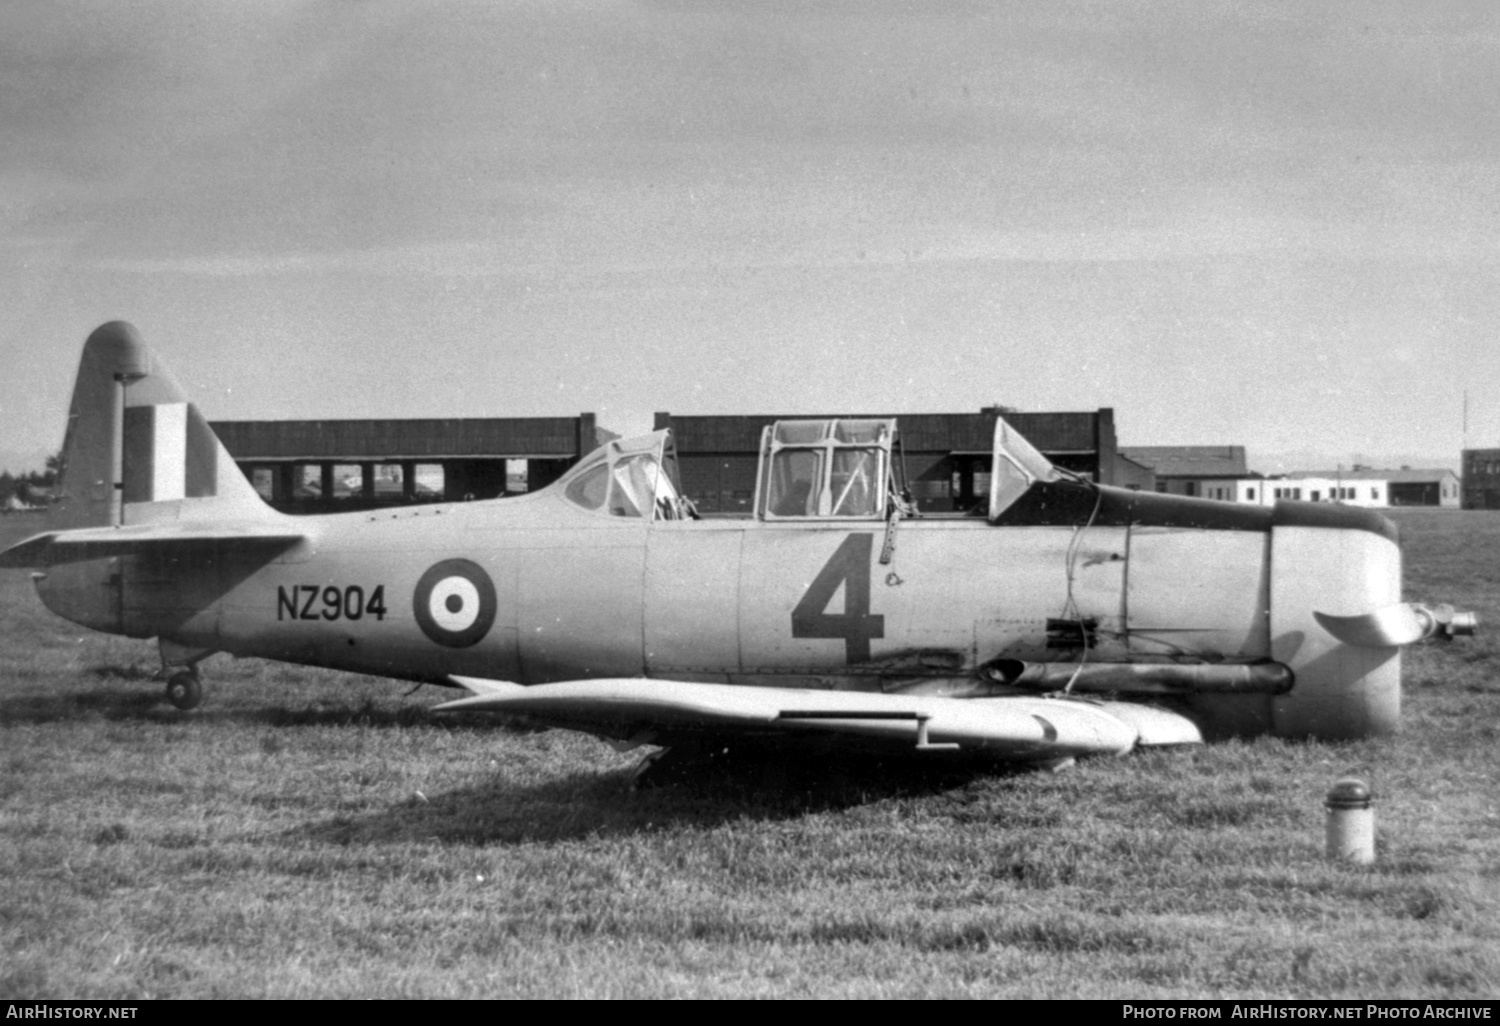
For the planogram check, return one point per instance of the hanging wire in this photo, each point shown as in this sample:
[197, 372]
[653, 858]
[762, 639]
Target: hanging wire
[1070, 608]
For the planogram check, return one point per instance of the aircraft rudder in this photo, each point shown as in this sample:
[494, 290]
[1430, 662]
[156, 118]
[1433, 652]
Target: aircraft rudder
[136, 449]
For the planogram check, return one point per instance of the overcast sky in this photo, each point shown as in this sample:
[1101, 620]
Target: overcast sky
[1265, 224]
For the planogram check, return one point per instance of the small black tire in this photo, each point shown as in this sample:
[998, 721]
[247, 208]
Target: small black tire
[184, 690]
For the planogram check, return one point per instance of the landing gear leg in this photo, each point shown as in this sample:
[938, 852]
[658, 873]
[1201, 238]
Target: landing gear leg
[185, 689]
[179, 664]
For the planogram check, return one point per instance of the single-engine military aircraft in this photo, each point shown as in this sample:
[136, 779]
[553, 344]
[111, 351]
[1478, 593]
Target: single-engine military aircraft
[1065, 618]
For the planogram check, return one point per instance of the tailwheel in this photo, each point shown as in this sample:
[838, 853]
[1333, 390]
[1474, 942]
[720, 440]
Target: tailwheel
[184, 689]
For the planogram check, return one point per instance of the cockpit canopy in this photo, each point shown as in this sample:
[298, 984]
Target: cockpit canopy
[1017, 465]
[630, 477]
[832, 469]
[825, 469]
[846, 470]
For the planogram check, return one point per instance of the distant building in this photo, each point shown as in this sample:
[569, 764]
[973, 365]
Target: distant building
[1220, 472]
[1481, 480]
[1190, 469]
[1365, 486]
[320, 466]
[1252, 489]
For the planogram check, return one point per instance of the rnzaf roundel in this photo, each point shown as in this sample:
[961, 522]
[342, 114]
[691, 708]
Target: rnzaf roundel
[454, 603]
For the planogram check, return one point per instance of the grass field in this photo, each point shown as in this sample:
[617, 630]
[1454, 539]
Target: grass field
[314, 834]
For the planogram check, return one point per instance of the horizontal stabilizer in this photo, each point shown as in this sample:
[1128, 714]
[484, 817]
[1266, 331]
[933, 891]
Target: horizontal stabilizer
[1018, 728]
[1400, 625]
[86, 543]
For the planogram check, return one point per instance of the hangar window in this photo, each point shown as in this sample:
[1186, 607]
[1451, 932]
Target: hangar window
[263, 479]
[348, 481]
[428, 481]
[517, 477]
[389, 482]
[307, 481]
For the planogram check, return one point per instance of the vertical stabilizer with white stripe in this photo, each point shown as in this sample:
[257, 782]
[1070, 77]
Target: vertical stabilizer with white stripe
[153, 521]
[137, 452]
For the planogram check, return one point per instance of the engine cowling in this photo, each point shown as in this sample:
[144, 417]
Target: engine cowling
[1341, 561]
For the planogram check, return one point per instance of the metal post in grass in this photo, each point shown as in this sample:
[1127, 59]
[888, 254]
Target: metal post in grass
[1351, 822]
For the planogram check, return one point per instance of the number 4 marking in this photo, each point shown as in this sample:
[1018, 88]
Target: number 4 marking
[850, 566]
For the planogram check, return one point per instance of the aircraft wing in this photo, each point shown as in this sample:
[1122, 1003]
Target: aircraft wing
[101, 542]
[665, 712]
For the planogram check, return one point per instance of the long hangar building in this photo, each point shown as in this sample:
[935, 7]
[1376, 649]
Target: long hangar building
[323, 466]
[947, 455]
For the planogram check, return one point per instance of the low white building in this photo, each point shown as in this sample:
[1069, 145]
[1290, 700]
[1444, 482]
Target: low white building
[1220, 472]
[1250, 489]
[1373, 493]
[1365, 486]
[1373, 489]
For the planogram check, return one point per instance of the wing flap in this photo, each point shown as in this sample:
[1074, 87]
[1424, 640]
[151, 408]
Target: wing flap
[1016, 728]
[621, 700]
[87, 543]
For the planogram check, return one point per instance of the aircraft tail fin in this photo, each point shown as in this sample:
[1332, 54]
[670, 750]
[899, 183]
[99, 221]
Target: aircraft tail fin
[137, 451]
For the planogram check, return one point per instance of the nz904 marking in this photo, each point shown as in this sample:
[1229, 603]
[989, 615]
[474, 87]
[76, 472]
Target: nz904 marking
[454, 603]
[329, 602]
